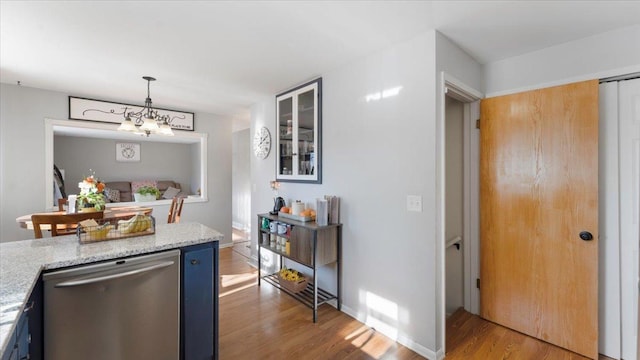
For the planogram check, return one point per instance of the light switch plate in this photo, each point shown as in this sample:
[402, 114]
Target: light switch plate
[414, 203]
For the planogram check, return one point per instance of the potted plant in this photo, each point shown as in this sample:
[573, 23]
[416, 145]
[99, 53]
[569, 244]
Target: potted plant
[91, 197]
[146, 193]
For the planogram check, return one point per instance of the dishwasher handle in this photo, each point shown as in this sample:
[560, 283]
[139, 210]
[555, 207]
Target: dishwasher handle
[85, 281]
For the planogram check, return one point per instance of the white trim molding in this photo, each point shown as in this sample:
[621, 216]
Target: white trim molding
[109, 131]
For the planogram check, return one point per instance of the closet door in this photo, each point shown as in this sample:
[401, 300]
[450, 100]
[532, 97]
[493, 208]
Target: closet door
[539, 214]
[629, 150]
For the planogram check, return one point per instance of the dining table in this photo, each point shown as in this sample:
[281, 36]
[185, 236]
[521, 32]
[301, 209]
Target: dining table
[110, 213]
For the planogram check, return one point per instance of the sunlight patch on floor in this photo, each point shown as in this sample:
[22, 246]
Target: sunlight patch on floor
[364, 339]
[357, 332]
[234, 279]
[233, 283]
[235, 290]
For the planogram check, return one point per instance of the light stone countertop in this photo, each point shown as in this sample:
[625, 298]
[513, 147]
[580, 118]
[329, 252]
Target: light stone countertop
[22, 261]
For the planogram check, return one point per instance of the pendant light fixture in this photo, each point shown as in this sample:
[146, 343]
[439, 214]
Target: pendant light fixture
[147, 120]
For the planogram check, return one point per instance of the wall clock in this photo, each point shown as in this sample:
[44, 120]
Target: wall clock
[262, 143]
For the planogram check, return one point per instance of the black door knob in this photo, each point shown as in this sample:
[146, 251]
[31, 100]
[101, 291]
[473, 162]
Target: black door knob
[586, 236]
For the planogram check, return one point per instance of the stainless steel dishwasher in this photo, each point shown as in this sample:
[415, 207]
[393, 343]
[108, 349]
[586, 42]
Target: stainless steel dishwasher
[122, 309]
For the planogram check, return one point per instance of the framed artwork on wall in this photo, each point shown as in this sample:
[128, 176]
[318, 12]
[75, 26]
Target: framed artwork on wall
[112, 112]
[127, 152]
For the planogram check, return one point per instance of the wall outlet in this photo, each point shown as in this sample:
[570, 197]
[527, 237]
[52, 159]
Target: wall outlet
[414, 203]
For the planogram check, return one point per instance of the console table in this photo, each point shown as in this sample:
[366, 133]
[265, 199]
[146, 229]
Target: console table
[312, 246]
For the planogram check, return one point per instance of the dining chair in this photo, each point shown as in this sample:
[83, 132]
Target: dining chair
[175, 210]
[61, 203]
[69, 220]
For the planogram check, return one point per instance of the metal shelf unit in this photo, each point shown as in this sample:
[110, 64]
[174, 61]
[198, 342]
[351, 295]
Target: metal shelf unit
[311, 246]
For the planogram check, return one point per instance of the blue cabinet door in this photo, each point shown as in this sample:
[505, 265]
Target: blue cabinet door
[200, 302]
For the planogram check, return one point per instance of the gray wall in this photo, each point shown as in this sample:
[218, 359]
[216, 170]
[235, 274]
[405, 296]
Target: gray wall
[241, 179]
[158, 161]
[22, 185]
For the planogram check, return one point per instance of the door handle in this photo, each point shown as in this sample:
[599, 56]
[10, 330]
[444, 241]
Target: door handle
[96, 279]
[586, 236]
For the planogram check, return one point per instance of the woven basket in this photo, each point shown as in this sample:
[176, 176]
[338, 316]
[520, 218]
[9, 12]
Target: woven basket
[293, 286]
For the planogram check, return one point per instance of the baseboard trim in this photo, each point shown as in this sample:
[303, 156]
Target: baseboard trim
[400, 339]
[240, 226]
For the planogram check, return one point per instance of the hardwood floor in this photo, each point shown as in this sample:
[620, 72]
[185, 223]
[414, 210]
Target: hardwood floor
[241, 243]
[262, 323]
[470, 337]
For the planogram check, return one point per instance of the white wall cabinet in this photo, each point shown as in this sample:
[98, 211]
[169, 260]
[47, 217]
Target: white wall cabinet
[298, 131]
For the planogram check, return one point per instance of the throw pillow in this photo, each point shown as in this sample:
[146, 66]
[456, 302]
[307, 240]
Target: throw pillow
[112, 194]
[170, 193]
[137, 184]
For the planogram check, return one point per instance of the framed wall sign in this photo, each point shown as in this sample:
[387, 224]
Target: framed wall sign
[111, 112]
[127, 152]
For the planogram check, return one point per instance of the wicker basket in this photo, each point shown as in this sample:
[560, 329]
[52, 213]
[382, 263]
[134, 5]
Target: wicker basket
[105, 229]
[293, 286]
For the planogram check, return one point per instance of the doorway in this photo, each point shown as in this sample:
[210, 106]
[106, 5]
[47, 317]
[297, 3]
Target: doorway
[241, 191]
[468, 98]
[454, 204]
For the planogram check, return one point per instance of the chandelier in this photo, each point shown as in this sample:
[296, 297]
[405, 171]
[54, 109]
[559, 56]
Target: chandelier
[147, 120]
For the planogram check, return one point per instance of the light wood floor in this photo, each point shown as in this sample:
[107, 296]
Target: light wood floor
[262, 323]
[470, 337]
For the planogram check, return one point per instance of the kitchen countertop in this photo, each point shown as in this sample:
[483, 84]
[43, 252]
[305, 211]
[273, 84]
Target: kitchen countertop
[22, 261]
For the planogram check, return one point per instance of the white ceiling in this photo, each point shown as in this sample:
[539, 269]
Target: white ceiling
[222, 56]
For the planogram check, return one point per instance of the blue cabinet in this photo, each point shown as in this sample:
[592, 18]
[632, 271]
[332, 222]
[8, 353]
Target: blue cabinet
[199, 311]
[200, 302]
[26, 340]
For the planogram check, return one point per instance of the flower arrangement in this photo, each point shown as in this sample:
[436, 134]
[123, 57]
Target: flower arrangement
[292, 280]
[91, 192]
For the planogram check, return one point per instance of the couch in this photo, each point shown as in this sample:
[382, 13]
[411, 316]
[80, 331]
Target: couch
[122, 191]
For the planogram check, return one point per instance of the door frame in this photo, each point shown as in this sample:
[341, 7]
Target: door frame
[457, 89]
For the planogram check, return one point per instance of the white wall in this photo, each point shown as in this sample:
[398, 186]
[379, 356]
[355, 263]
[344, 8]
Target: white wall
[608, 54]
[454, 280]
[241, 179]
[22, 186]
[374, 155]
[455, 63]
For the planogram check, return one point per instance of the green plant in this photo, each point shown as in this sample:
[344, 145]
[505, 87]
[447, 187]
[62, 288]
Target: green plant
[148, 190]
[96, 199]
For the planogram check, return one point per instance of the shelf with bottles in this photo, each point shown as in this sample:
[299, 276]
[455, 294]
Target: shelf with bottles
[307, 244]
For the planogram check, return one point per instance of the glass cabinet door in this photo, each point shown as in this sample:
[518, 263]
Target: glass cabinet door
[299, 121]
[285, 130]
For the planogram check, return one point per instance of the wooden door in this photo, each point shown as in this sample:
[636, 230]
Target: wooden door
[538, 192]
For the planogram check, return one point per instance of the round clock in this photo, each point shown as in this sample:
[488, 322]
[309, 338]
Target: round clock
[262, 143]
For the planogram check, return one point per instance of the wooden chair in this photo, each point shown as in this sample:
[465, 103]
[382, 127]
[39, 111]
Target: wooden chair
[61, 203]
[69, 221]
[175, 210]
